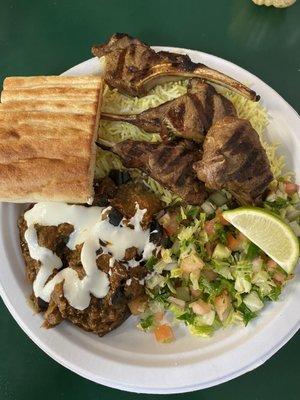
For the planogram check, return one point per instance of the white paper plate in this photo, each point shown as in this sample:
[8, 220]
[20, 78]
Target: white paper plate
[131, 360]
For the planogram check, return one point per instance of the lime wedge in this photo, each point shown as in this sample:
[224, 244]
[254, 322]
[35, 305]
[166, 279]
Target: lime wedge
[268, 232]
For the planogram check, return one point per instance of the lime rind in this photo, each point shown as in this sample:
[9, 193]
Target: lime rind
[268, 232]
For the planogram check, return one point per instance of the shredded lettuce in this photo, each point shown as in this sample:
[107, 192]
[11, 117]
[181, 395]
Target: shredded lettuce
[194, 277]
[221, 252]
[222, 268]
[209, 318]
[151, 262]
[189, 231]
[188, 317]
[176, 273]
[234, 318]
[166, 255]
[203, 331]
[277, 204]
[264, 283]
[146, 323]
[242, 283]
[248, 315]
[252, 251]
[156, 280]
[274, 294]
[177, 311]
[170, 286]
[156, 306]
[242, 274]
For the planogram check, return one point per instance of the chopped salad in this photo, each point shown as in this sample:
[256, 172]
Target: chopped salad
[207, 274]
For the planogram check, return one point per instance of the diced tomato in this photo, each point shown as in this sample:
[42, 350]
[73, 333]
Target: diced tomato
[222, 305]
[164, 334]
[209, 274]
[271, 265]
[257, 263]
[138, 305]
[200, 307]
[242, 237]
[170, 223]
[233, 243]
[221, 219]
[279, 277]
[159, 316]
[178, 302]
[171, 229]
[290, 188]
[209, 227]
[209, 248]
[236, 243]
[191, 263]
[195, 292]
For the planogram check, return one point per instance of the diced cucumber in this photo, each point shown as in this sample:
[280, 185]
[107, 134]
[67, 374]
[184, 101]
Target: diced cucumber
[183, 293]
[253, 302]
[292, 214]
[218, 198]
[295, 198]
[296, 228]
[208, 207]
[221, 252]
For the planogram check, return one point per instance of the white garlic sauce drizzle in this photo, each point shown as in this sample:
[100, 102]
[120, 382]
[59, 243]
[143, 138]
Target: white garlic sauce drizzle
[89, 228]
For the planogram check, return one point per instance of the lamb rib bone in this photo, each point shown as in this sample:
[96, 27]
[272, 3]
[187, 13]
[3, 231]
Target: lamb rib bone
[189, 116]
[134, 68]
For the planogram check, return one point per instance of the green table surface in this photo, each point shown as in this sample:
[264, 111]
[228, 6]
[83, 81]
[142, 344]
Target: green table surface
[46, 37]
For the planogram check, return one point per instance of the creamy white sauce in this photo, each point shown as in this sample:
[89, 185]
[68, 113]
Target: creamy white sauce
[89, 228]
[133, 263]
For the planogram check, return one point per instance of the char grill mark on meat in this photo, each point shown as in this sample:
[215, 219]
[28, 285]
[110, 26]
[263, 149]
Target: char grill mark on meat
[189, 116]
[234, 159]
[169, 163]
[176, 116]
[134, 68]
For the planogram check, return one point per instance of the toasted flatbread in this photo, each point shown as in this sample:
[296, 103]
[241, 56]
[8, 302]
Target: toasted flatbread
[63, 106]
[49, 93]
[48, 128]
[12, 82]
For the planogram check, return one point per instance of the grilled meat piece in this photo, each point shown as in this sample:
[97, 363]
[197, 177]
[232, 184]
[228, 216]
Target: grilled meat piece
[234, 159]
[189, 116]
[169, 163]
[134, 68]
[130, 194]
[126, 284]
[104, 190]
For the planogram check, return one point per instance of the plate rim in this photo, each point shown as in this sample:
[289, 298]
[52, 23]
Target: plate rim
[180, 389]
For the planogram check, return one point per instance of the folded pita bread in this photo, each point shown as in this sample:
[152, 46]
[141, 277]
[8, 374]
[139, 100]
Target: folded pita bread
[48, 127]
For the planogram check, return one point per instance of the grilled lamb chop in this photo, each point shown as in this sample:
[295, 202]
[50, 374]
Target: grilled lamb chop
[189, 116]
[134, 68]
[169, 163]
[234, 159]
